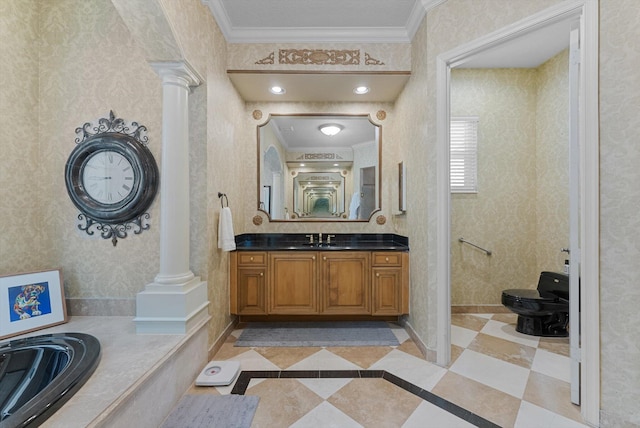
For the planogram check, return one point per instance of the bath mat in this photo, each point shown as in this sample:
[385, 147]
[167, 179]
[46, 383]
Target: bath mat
[204, 411]
[342, 333]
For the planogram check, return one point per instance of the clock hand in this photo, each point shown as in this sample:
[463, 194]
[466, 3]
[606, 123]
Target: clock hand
[94, 177]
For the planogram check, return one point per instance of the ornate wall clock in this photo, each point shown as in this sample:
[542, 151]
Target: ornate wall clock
[112, 177]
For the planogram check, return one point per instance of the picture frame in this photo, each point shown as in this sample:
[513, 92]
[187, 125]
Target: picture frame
[31, 301]
[402, 187]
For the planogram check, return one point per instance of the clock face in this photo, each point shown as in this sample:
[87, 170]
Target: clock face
[108, 177]
[111, 178]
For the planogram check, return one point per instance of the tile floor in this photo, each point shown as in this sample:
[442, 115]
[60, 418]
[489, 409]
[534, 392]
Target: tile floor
[503, 377]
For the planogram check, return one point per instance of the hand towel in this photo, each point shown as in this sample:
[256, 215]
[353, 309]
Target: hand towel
[226, 237]
[354, 205]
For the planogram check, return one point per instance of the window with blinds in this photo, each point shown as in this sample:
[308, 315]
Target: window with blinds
[464, 154]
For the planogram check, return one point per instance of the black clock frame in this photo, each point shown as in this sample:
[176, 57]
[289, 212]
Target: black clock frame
[113, 220]
[145, 175]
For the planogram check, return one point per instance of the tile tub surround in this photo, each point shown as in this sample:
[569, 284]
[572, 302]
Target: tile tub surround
[481, 342]
[339, 241]
[123, 389]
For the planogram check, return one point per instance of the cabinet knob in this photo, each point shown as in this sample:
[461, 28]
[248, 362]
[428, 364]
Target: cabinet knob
[251, 258]
[386, 259]
[261, 273]
[313, 257]
[324, 258]
[377, 273]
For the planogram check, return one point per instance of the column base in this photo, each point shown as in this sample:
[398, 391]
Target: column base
[175, 309]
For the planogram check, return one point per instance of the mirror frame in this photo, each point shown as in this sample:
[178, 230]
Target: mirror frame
[320, 219]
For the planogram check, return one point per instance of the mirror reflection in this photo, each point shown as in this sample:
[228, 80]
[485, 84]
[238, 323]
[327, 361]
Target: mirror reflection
[319, 167]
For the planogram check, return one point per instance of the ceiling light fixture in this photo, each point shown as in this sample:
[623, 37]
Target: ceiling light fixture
[361, 90]
[330, 129]
[277, 90]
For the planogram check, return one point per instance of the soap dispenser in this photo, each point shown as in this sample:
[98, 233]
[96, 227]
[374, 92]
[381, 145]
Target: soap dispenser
[565, 268]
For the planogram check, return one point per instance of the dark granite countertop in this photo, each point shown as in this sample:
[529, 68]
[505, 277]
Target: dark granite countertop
[341, 242]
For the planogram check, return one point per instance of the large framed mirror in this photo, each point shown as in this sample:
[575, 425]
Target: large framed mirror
[319, 167]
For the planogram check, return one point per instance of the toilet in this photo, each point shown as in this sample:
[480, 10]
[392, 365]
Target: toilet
[544, 311]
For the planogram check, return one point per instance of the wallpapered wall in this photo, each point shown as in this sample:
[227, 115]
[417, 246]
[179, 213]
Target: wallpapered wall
[23, 240]
[72, 62]
[82, 64]
[501, 216]
[520, 211]
[619, 220]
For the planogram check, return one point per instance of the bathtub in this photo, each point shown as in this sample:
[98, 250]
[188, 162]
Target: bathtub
[39, 374]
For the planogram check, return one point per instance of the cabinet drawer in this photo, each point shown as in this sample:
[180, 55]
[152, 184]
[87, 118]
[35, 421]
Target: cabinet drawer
[252, 258]
[387, 259]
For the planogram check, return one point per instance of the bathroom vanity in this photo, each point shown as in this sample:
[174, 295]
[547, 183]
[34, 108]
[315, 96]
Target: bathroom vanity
[287, 275]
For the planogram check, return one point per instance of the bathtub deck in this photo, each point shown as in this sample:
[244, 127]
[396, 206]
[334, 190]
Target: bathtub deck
[129, 366]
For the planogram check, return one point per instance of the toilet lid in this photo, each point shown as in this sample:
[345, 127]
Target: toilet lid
[527, 294]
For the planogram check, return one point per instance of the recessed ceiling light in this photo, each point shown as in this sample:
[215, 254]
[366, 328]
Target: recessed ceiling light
[361, 90]
[330, 129]
[301, 164]
[277, 90]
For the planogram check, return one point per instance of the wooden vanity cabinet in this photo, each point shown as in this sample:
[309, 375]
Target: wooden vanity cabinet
[331, 283]
[248, 283]
[345, 283]
[293, 288]
[390, 283]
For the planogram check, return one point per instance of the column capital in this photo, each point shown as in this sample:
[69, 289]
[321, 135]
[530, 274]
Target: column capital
[170, 71]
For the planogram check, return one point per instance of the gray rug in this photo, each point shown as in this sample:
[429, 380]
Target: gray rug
[339, 333]
[205, 411]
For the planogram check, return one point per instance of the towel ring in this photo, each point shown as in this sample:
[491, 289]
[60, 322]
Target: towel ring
[221, 196]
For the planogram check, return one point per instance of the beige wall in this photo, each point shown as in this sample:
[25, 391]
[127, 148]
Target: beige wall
[520, 211]
[86, 64]
[619, 220]
[552, 163]
[23, 238]
[501, 216]
[72, 62]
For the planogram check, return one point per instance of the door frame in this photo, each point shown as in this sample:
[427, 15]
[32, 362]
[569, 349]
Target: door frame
[587, 12]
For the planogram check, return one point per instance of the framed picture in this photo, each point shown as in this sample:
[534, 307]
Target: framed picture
[402, 187]
[31, 301]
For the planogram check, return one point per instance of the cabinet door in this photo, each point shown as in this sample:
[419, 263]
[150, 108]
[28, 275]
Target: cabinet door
[387, 295]
[345, 282]
[252, 298]
[293, 283]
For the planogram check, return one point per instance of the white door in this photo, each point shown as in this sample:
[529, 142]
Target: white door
[574, 213]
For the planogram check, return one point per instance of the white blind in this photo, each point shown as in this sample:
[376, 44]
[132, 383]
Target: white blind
[464, 154]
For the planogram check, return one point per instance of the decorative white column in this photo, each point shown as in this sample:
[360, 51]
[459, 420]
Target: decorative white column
[177, 300]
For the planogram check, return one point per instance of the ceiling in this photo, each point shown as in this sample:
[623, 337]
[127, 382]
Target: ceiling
[299, 21]
[353, 21]
[301, 133]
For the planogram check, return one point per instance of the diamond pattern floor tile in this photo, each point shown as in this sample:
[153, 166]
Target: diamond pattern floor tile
[506, 377]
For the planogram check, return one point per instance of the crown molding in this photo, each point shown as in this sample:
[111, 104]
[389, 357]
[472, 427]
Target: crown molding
[320, 34]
